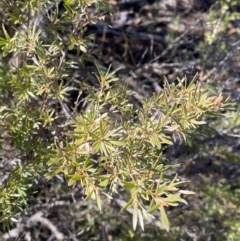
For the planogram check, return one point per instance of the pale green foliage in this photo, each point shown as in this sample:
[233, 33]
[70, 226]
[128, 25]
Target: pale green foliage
[219, 20]
[108, 145]
[102, 153]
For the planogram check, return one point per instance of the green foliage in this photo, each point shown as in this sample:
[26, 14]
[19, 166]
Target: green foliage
[220, 19]
[104, 147]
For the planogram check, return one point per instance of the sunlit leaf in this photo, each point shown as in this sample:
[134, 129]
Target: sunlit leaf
[154, 208]
[135, 216]
[164, 218]
[104, 183]
[186, 192]
[99, 202]
[82, 48]
[129, 185]
[129, 203]
[71, 182]
[140, 218]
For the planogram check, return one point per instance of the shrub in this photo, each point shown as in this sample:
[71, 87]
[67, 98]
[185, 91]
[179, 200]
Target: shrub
[100, 141]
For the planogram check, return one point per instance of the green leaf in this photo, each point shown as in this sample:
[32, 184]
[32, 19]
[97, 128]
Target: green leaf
[83, 49]
[135, 216]
[186, 192]
[87, 162]
[129, 185]
[14, 220]
[164, 218]
[76, 177]
[198, 122]
[129, 203]
[174, 199]
[154, 208]
[5, 33]
[53, 173]
[118, 143]
[152, 203]
[89, 194]
[3, 41]
[140, 218]
[107, 195]
[155, 141]
[166, 141]
[96, 146]
[99, 202]
[106, 149]
[104, 183]
[71, 182]
[161, 189]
